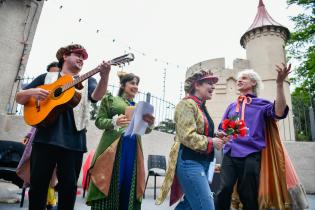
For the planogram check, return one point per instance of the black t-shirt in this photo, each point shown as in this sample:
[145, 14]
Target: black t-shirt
[63, 132]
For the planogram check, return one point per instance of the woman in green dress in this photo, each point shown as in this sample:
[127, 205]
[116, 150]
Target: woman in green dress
[117, 169]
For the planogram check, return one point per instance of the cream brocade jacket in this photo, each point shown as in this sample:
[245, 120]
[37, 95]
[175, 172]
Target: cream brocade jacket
[190, 123]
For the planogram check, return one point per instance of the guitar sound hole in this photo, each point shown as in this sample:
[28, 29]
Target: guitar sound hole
[58, 92]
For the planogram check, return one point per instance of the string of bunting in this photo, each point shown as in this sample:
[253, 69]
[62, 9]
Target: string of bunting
[165, 64]
[128, 48]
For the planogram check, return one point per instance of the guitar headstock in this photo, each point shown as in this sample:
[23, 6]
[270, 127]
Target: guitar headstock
[122, 60]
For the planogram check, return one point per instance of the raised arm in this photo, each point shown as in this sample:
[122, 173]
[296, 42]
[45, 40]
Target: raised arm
[280, 103]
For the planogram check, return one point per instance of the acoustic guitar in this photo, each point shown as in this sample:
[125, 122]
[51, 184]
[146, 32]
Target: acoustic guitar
[62, 96]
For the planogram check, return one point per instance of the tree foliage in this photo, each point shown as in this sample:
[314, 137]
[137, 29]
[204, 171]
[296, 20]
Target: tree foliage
[301, 44]
[301, 48]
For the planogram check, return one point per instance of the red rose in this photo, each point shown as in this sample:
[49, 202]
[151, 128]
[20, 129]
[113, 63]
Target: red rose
[234, 135]
[241, 124]
[243, 132]
[225, 124]
[232, 124]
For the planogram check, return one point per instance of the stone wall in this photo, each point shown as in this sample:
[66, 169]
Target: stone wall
[157, 143]
[18, 25]
[303, 158]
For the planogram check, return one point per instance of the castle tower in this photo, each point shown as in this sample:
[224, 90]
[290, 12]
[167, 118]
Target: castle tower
[264, 42]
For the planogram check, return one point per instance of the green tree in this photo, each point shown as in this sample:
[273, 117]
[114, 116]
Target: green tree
[301, 49]
[301, 45]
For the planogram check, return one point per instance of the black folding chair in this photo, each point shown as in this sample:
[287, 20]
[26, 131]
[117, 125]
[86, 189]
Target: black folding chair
[155, 162]
[10, 155]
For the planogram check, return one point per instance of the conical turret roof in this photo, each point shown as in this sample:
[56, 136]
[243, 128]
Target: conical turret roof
[263, 19]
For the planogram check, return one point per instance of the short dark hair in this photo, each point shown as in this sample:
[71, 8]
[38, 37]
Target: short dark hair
[52, 64]
[124, 79]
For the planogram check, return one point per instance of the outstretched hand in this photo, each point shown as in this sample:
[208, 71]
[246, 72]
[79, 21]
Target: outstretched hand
[283, 72]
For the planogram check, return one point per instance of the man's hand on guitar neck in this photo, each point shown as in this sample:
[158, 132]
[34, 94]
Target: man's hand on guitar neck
[101, 87]
[23, 96]
[104, 68]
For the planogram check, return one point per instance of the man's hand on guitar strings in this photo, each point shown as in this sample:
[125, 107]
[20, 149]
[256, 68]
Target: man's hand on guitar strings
[39, 93]
[104, 68]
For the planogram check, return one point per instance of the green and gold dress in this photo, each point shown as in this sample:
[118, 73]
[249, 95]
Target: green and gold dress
[117, 169]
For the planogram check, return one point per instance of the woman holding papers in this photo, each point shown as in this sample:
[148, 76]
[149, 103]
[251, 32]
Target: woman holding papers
[193, 149]
[117, 169]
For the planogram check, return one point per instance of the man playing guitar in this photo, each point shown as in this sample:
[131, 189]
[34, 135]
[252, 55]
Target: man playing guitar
[63, 142]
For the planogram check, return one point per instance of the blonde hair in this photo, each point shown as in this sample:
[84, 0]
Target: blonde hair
[254, 76]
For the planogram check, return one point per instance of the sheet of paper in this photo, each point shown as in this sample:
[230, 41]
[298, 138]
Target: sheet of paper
[137, 124]
[211, 171]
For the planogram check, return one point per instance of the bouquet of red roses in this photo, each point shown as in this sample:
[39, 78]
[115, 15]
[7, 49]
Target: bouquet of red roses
[235, 127]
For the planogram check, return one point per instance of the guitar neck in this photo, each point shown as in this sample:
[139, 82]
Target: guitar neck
[80, 79]
[116, 61]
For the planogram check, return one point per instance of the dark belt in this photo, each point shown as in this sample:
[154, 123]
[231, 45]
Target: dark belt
[189, 154]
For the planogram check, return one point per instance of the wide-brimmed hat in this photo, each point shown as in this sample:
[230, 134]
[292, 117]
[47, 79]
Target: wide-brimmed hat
[201, 75]
[73, 48]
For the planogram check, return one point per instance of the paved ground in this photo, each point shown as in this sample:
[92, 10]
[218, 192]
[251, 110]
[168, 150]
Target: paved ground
[148, 203]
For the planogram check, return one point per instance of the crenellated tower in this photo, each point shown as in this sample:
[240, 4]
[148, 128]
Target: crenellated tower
[264, 43]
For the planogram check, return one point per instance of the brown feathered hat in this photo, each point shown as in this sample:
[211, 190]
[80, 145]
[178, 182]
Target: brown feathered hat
[201, 75]
[73, 48]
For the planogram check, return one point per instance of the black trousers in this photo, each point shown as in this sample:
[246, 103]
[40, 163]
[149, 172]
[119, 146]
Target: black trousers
[44, 158]
[245, 171]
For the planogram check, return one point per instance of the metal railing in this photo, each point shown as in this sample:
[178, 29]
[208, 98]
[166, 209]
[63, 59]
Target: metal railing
[303, 119]
[163, 110]
[15, 108]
